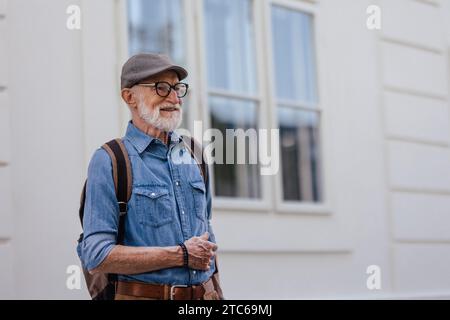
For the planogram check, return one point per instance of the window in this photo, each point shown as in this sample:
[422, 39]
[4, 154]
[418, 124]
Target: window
[232, 88]
[234, 180]
[157, 26]
[233, 93]
[297, 104]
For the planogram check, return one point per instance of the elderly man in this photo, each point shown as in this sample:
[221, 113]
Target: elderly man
[168, 248]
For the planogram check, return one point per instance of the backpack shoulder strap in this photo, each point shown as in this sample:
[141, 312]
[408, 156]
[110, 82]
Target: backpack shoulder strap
[122, 176]
[196, 152]
[81, 210]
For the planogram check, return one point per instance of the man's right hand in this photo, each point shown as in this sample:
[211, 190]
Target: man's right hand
[200, 251]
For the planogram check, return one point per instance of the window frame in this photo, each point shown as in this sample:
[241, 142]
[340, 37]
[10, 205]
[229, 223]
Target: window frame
[238, 203]
[299, 207]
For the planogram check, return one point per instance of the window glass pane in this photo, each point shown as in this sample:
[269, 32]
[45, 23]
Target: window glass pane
[230, 45]
[157, 26]
[294, 55]
[235, 180]
[300, 156]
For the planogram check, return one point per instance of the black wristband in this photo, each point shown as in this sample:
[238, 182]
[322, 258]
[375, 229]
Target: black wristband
[185, 255]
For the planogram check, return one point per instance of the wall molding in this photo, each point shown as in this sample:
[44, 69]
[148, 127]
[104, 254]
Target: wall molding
[427, 142]
[413, 45]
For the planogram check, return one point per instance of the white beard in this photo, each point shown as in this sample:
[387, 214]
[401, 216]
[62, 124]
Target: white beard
[153, 117]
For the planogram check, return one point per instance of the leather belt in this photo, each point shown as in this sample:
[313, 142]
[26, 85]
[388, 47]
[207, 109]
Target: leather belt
[166, 292]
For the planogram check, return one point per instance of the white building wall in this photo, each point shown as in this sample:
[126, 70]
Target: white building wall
[415, 83]
[46, 100]
[385, 133]
[6, 227]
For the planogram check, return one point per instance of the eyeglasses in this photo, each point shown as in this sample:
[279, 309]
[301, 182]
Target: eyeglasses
[163, 88]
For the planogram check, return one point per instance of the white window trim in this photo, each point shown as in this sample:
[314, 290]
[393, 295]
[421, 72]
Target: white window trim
[192, 63]
[228, 203]
[298, 207]
[122, 52]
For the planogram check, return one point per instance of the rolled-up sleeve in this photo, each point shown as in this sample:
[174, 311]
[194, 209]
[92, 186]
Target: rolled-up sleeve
[101, 212]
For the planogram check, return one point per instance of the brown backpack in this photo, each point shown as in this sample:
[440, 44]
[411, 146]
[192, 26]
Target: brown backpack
[102, 286]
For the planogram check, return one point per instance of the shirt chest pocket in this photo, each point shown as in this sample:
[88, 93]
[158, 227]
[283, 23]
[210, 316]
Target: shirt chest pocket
[199, 198]
[153, 205]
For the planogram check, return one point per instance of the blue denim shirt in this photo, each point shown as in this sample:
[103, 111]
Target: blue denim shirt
[169, 204]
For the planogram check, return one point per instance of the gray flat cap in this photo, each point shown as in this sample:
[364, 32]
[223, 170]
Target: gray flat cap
[144, 65]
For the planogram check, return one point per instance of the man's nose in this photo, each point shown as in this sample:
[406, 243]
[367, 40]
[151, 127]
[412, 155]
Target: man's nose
[173, 97]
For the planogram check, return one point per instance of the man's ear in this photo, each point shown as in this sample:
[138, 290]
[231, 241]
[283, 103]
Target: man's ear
[129, 97]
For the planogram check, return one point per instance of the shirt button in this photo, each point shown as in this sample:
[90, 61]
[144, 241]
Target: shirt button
[194, 272]
[153, 194]
[177, 183]
[182, 212]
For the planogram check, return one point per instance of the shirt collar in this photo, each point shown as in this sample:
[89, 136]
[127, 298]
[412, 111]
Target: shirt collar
[174, 137]
[141, 140]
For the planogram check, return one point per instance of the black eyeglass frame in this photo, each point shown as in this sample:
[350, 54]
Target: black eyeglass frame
[171, 87]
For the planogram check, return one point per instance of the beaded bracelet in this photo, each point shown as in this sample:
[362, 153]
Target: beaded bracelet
[185, 255]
